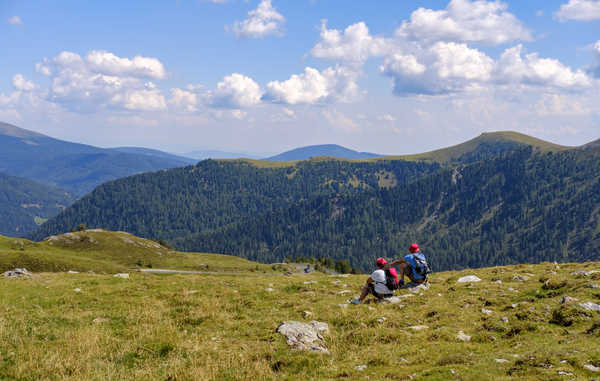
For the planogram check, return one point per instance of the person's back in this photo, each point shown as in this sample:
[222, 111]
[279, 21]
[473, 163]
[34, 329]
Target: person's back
[413, 265]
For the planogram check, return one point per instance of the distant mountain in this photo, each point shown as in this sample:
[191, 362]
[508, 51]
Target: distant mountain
[77, 168]
[25, 204]
[215, 154]
[329, 150]
[486, 145]
[156, 153]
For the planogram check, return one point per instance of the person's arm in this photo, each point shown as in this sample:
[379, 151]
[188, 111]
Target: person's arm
[397, 262]
[370, 280]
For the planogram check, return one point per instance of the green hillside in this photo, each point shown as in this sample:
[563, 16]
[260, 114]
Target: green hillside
[512, 325]
[25, 204]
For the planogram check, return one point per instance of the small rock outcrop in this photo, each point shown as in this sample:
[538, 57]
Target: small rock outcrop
[305, 336]
[589, 306]
[18, 273]
[463, 336]
[468, 278]
[122, 275]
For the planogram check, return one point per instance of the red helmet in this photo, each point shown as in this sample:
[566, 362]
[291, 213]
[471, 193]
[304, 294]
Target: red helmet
[381, 262]
[413, 248]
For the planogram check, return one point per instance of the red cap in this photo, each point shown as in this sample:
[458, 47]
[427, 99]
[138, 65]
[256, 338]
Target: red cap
[381, 262]
[413, 248]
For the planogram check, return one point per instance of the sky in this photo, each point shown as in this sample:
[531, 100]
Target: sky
[265, 76]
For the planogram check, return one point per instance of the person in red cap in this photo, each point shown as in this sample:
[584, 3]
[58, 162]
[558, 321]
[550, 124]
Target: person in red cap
[413, 265]
[376, 284]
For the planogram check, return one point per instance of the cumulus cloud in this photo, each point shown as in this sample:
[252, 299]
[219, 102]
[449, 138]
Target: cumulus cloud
[103, 80]
[15, 20]
[184, 100]
[561, 105]
[236, 91]
[479, 21]
[532, 70]
[21, 84]
[354, 44]
[261, 22]
[314, 86]
[579, 10]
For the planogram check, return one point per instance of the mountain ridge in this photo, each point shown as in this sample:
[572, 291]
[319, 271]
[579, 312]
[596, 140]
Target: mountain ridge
[321, 150]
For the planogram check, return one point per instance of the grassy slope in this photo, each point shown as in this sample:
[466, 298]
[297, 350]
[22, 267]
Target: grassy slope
[104, 251]
[223, 328]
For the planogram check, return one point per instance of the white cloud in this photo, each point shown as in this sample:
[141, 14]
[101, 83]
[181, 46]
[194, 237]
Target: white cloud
[15, 20]
[239, 114]
[236, 91]
[533, 70]
[104, 62]
[314, 86]
[579, 10]
[103, 80]
[445, 67]
[340, 121]
[261, 22]
[354, 44]
[480, 21]
[184, 100]
[561, 105]
[21, 84]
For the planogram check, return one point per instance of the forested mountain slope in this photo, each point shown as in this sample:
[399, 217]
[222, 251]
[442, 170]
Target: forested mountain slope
[25, 204]
[524, 206]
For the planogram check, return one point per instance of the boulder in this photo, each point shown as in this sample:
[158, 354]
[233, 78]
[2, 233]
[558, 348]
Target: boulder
[468, 278]
[486, 311]
[305, 336]
[585, 273]
[416, 287]
[568, 300]
[463, 336]
[589, 306]
[592, 368]
[122, 275]
[18, 273]
[418, 327]
[520, 278]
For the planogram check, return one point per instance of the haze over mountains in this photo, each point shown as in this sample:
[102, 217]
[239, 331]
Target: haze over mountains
[499, 198]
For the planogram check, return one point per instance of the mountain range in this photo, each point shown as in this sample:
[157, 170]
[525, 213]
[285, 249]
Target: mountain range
[500, 198]
[331, 150]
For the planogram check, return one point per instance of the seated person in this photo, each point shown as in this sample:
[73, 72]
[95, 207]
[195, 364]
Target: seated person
[407, 266]
[375, 284]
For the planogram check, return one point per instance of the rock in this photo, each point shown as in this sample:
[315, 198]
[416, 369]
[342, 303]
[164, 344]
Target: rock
[336, 281]
[520, 278]
[310, 282]
[585, 273]
[468, 278]
[415, 287]
[418, 327]
[403, 360]
[122, 275]
[590, 306]
[486, 311]
[100, 320]
[360, 368]
[77, 290]
[269, 289]
[568, 300]
[343, 305]
[343, 292]
[592, 368]
[91, 272]
[381, 319]
[306, 314]
[498, 281]
[72, 272]
[190, 292]
[563, 373]
[371, 308]
[18, 273]
[504, 319]
[594, 286]
[501, 361]
[512, 289]
[463, 337]
[305, 336]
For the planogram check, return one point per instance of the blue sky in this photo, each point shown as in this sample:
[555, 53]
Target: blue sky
[266, 76]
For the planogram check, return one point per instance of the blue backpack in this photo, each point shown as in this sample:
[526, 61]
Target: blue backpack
[419, 265]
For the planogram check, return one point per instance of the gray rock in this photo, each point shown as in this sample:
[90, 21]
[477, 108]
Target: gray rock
[468, 278]
[486, 311]
[520, 278]
[504, 319]
[305, 336]
[501, 360]
[462, 336]
[590, 306]
[568, 300]
[418, 327]
[306, 314]
[360, 368]
[100, 320]
[592, 368]
[122, 275]
[269, 289]
[585, 273]
[72, 272]
[563, 373]
[381, 319]
[594, 286]
[18, 273]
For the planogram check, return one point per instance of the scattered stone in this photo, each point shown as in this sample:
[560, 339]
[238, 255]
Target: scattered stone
[418, 327]
[452, 371]
[501, 361]
[498, 281]
[403, 296]
[371, 308]
[213, 339]
[563, 373]
[463, 337]
[360, 368]
[343, 305]
[77, 290]
[504, 319]
[486, 311]
[72, 272]
[269, 289]
[594, 286]
[439, 294]
[122, 275]
[590, 306]
[416, 287]
[100, 320]
[394, 299]
[343, 292]
[512, 289]
[592, 368]
[270, 284]
[520, 278]
[585, 273]
[91, 272]
[305, 337]
[403, 360]
[336, 281]
[468, 278]
[306, 314]
[568, 300]
[18, 273]
[310, 282]
[190, 292]
[381, 319]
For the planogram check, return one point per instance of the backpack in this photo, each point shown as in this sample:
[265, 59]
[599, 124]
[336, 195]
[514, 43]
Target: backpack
[419, 264]
[391, 278]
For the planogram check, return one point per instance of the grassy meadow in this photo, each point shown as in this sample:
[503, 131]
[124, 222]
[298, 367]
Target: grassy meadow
[91, 326]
